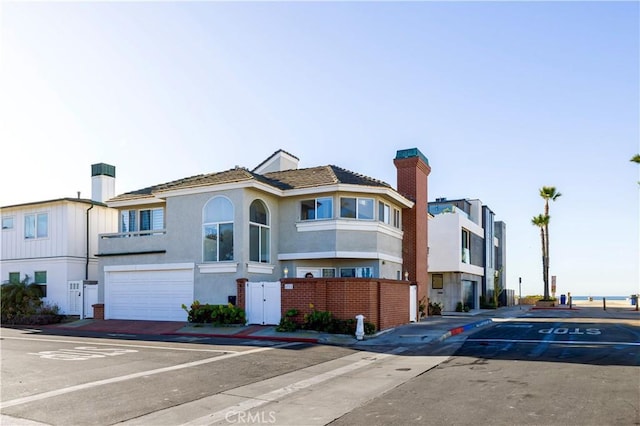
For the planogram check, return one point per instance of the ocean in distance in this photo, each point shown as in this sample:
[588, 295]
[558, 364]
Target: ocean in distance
[600, 297]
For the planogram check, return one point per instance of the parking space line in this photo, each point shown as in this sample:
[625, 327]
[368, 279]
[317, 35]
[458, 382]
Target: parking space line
[123, 345]
[84, 386]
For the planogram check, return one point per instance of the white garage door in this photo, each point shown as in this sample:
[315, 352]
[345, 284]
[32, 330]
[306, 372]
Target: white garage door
[148, 292]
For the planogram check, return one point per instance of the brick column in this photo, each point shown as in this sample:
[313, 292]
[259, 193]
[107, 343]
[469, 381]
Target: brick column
[412, 172]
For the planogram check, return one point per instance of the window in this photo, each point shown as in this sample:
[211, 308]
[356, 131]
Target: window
[259, 232]
[356, 208]
[465, 246]
[218, 230]
[384, 213]
[36, 225]
[141, 220]
[40, 277]
[319, 208]
[356, 272]
[396, 218]
[7, 222]
[14, 277]
[328, 272]
[436, 281]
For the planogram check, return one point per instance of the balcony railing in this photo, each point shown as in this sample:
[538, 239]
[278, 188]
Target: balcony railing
[134, 234]
[133, 242]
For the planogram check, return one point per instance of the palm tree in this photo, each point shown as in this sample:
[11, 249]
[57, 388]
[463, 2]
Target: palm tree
[636, 158]
[548, 193]
[542, 221]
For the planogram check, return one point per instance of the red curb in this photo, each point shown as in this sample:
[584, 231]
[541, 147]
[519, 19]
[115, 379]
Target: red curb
[248, 336]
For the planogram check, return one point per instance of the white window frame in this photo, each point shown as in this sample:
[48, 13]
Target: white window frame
[137, 219]
[8, 222]
[358, 213]
[37, 226]
[217, 225]
[264, 230]
[384, 213]
[359, 271]
[316, 202]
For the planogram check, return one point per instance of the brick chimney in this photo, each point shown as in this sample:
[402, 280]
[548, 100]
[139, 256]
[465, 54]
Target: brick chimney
[103, 182]
[412, 171]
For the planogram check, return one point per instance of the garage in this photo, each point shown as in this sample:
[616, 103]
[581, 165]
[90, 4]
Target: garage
[148, 292]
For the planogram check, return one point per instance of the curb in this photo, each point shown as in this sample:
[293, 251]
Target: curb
[458, 330]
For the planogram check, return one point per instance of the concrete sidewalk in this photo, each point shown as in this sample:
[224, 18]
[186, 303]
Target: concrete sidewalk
[435, 328]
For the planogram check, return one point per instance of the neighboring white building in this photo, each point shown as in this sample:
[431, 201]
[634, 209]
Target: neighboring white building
[463, 252]
[55, 241]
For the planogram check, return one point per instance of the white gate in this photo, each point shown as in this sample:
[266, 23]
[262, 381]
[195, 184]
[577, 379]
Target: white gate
[74, 298]
[262, 303]
[90, 299]
[413, 303]
[82, 295]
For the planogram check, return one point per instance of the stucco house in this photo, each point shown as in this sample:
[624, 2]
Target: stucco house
[193, 238]
[467, 250]
[53, 243]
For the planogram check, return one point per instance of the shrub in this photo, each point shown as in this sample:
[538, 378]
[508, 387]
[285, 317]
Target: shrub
[287, 322]
[214, 314]
[325, 322]
[21, 303]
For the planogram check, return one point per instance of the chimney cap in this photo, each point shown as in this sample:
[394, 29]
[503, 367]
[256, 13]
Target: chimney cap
[411, 153]
[103, 169]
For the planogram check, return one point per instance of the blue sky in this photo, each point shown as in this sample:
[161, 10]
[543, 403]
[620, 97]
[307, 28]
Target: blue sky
[502, 97]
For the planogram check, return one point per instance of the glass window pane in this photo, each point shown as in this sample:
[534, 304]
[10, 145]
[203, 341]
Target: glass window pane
[14, 277]
[226, 242]
[347, 272]
[348, 208]
[42, 228]
[258, 212]
[210, 244]
[40, 277]
[30, 226]
[365, 208]
[7, 223]
[254, 243]
[328, 272]
[218, 209]
[145, 220]
[325, 208]
[308, 210]
[157, 219]
[264, 245]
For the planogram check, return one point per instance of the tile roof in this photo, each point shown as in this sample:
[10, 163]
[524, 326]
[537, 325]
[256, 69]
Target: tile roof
[284, 180]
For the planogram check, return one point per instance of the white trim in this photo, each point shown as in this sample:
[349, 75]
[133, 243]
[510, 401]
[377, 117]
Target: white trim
[218, 268]
[137, 202]
[340, 255]
[159, 196]
[221, 187]
[150, 267]
[348, 225]
[255, 268]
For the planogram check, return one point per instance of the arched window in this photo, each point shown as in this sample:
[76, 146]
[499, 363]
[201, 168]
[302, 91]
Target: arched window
[217, 227]
[259, 232]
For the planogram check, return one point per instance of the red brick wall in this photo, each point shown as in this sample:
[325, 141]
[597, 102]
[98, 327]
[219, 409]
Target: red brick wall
[384, 303]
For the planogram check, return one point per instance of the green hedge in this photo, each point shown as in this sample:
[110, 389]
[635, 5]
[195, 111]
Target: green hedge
[214, 314]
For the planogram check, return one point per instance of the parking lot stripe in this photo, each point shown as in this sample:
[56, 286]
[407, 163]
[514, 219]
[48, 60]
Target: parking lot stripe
[45, 395]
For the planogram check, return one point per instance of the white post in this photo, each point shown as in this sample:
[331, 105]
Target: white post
[360, 327]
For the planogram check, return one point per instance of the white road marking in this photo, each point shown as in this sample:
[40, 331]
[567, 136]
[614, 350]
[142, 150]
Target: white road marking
[570, 342]
[35, 339]
[275, 394]
[85, 386]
